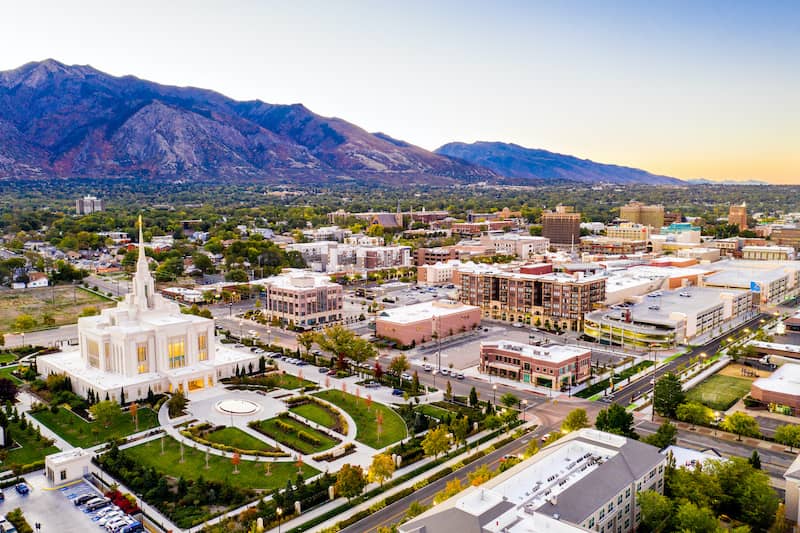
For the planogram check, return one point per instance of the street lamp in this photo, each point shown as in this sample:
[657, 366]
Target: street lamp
[494, 395]
[241, 324]
[525, 403]
[703, 356]
[269, 336]
[279, 512]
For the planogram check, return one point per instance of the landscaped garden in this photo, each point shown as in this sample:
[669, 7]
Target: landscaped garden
[295, 434]
[79, 432]
[366, 413]
[323, 414]
[31, 447]
[275, 380]
[236, 438]
[719, 392]
[200, 492]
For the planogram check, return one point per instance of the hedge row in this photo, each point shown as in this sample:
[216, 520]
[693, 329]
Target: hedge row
[349, 447]
[231, 449]
[301, 434]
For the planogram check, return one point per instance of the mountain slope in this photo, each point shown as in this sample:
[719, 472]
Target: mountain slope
[522, 164]
[59, 120]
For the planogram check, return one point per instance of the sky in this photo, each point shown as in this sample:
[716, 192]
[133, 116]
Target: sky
[691, 89]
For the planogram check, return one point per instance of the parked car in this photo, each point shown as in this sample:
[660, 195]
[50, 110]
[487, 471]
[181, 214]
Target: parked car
[2, 496]
[83, 498]
[323, 370]
[397, 392]
[444, 372]
[545, 437]
[406, 376]
[22, 488]
[459, 375]
[426, 367]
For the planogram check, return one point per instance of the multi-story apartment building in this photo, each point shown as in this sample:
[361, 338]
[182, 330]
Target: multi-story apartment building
[88, 205]
[331, 256]
[380, 257]
[646, 215]
[586, 481]
[327, 233]
[555, 366]
[559, 299]
[525, 247]
[612, 246]
[437, 274]
[562, 226]
[737, 215]
[303, 299]
[476, 228]
[786, 236]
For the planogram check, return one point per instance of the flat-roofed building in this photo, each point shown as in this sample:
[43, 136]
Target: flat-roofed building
[646, 215]
[628, 231]
[612, 246]
[772, 281]
[422, 322]
[301, 298]
[525, 247]
[558, 299]
[664, 319]
[437, 274]
[88, 205]
[554, 366]
[586, 481]
[562, 226]
[737, 216]
[768, 253]
[780, 391]
[786, 236]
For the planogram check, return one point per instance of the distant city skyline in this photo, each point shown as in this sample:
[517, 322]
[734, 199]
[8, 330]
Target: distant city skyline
[685, 89]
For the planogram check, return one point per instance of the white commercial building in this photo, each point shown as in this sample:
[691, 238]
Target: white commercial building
[586, 481]
[67, 466]
[525, 247]
[144, 343]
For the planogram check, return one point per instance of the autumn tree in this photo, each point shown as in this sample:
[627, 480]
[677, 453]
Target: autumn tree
[381, 469]
[436, 441]
[350, 481]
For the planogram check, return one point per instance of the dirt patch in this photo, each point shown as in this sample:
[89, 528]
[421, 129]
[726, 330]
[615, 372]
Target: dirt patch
[62, 303]
[737, 370]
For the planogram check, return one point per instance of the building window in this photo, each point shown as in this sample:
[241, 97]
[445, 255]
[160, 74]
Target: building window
[63, 475]
[93, 353]
[141, 358]
[176, 352]
[202, 347]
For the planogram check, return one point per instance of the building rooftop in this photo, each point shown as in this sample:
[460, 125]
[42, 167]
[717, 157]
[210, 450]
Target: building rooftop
[424, 311]
[785, 380]
[567, 481]
[555, 353]
[296, 279]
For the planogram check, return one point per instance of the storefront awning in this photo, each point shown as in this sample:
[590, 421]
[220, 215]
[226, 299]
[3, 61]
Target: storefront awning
[504, 366]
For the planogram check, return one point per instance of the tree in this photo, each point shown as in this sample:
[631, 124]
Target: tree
[448, 393]
[509, 400]
[473, 397]
[177, 404]
[480, 475]
[436, 441]
[381, 469]
[755, 460]
[656, 510]
[788, 435]
[668, 395]
[615, 419]
[452, 488]
[23, 322]
[690, 517]
[398, 365]
[532, 448]
[350, 481]
[134, 410]
[361, 350]
[575, 420]
[238, 275]
[235, 460]
[105, 412]
[695, 413]
[666, 435]
[415, 383]
[306, 340]
[745, 492]
[460, 429]
[741, 424]
[8, 390]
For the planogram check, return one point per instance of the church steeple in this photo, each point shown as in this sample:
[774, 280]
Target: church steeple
[143, 284]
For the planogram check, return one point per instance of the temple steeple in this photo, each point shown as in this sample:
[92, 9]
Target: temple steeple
[143, 284]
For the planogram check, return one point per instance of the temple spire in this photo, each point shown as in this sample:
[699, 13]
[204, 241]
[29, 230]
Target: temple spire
[142, 256]
[143, 285]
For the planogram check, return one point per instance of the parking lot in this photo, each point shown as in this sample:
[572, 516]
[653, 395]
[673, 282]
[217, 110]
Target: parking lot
[52, 508]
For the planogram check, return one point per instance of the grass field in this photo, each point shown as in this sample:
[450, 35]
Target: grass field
[270, 427]
[5, 372]
[252, 474]
[432, 410]
[323, 415]
[393, 429]
[78, 432]
[62, 303]
[32, 450]
[237, 438]
[719, 392]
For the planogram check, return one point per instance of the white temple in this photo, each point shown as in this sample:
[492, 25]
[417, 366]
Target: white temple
[145, 342]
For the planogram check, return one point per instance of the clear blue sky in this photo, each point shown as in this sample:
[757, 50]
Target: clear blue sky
[690, 89]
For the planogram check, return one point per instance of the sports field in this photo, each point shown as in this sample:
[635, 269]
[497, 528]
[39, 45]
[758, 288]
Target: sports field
[719, 392]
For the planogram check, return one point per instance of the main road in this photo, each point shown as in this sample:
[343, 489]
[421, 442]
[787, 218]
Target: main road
[550, 417]
[628, 393]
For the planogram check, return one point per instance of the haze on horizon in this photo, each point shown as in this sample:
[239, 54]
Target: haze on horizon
[686, 89]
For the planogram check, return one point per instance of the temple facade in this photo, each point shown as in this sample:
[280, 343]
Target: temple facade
[145, 343]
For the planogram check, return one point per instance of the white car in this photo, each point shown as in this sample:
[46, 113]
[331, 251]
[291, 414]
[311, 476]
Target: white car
[111, 517]
[406, 376]
[426, 367]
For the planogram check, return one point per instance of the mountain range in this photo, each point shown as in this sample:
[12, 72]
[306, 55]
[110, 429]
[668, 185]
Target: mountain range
[76, 121]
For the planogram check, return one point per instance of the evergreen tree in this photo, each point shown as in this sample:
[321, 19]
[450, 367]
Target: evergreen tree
[473, 397]
[755, 460]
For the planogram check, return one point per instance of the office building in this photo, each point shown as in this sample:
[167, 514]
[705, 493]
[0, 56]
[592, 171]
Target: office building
[586, 481]
[647, 215]
[423, 322]
[554, 366]
[525, 247]
[302, 299]
[786, 236]
[562, 226]
[737, 216]
[88, 205]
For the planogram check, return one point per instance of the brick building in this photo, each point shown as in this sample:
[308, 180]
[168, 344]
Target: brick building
[555, 366]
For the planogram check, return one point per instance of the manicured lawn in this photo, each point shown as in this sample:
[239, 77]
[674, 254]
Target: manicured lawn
[7, 357]
[323, 415]
[252, 474]
[237, 438]
[719, 392]
[271, 428]
[78, 432]
[274, 380]
[32, 450]
[393, 429]
[431, 410]
[5, 372]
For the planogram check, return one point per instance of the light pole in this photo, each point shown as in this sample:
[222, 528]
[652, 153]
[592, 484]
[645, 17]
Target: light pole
[525, 403]
[494, 395]
[269, 336]
[279, 512]
[241, 324]
[653, 410]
